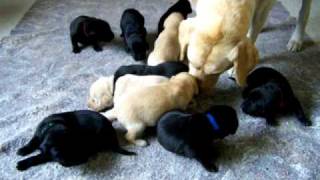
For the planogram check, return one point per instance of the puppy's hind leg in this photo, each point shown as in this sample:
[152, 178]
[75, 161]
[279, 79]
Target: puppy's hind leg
[32, 145]
[298, 111]
[295, 42]
[32, 161]
[135, 131]
[205, 157]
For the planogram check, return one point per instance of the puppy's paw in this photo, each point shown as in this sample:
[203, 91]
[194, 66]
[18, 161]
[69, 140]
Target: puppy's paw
[306, 122]
[211, 167]
[294, 45]
[21, 166]
[23, 151]
[141, 143]
[76, 50]
[97, 48]
[272, 122]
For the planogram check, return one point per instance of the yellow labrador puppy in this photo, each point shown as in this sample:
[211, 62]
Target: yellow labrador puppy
[101, 91]
[101, 94]
[166, 47]
[143, 107]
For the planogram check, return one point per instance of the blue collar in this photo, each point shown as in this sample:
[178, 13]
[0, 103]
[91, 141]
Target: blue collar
[212, 121]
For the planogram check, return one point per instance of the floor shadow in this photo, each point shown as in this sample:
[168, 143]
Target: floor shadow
[229, 152]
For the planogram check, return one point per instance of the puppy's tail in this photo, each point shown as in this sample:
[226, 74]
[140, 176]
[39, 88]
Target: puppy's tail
[123, 151]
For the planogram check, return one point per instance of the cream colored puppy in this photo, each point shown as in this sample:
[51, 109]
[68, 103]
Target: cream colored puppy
[185, 30]
[101, 91]
[166, 47]
[138, 109]
[101, 94]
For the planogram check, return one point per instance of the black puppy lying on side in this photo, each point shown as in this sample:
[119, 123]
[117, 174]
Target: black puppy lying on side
[70, 138]
[191, 135]
[268, 93]
[134, 33]
[89, 31]
[182, 6]
[167, 69]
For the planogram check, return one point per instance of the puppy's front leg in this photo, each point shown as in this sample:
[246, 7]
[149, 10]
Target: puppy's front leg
[271, 120]
[295, 43]
[75, 46]
[32, 145]
[97, 47]
[32, 161]
[135, 131]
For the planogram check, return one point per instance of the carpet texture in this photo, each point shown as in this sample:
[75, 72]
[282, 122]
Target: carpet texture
[40, 76]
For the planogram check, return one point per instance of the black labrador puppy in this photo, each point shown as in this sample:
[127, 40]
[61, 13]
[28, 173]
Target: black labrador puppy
[70, 138]
[167, 69]
[89, 31]
[182, 6]
[191, 135]
[134, 33]
[268, 93]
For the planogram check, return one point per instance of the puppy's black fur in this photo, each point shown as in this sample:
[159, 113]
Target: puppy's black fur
[182, 6]
[70, 138]
[191, 135]
[268, 93]
[134, 33]
[89, 31]
[167, 69]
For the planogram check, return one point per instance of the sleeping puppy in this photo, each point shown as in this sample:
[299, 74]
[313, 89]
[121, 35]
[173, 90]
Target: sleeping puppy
[269, 94]
[134, 33]
[191, 135]
[142, 108]
[89, 31]
[216, 45]
[166, 47]
[70, 138]
[101, 92]
[182, 6]
[166, 69]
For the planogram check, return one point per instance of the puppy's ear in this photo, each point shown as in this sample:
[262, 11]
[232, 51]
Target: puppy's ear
[245, 57]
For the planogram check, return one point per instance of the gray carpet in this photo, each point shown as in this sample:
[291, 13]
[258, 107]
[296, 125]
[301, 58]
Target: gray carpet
[40, 76]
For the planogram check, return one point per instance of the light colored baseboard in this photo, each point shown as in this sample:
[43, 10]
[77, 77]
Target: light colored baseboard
[11, 12]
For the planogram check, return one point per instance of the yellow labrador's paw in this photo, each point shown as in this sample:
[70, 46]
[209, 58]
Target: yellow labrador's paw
[141, 143]
[294, 45]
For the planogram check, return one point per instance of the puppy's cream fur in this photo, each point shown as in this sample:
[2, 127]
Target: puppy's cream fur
[130, 82]
[143, 107]
[101, 91]
[100, 95]
[166, 47]
[219, 41]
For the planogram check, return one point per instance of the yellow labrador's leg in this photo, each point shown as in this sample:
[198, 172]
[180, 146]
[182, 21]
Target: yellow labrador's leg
[135, 131]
